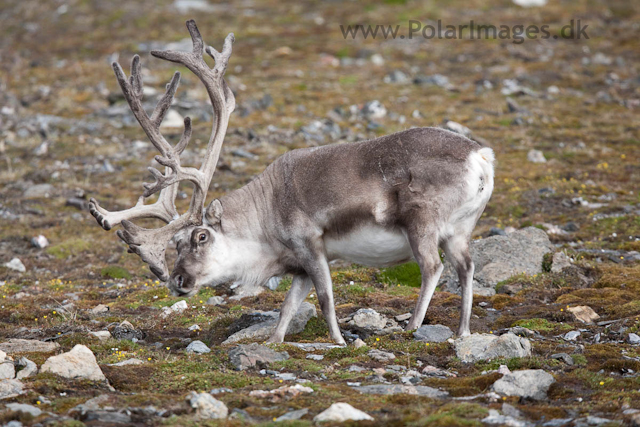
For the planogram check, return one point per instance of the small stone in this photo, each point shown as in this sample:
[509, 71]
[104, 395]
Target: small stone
[101, 335]
[128, 362]
[571, 227]
[495, 231]
[359, 343]
[341, 412]
[198, 347]
[17, 345]
[377, 60]
[215, 301]
[390, 389]
[559, 262]
[494, 417]
[315, 356]
[433, 333]
[39, 242]
[246, 356]
[23, 408]
[126, 331]
[564, 357]
[536, 156]
[38, 191]
[374, 110]
[176, 308]
[80, 362]
[571, 335]
[477, 347]
[633, 339]
[293, 415]
[403, 317]
[584, 314]
[173, 119]
[207, 407]
[284, 392]
[16, 265]
[368, 319]
[195, 328]
[457, 128]
[100, 309]
[29, 368]
[529, 383]
[381, 356]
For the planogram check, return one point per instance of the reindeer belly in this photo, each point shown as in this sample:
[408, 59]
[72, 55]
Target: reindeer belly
[370, 245]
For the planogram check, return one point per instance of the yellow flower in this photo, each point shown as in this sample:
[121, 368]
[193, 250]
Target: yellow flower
[168, 348]
[54, 312]
[37, 402]
[377, 339]
[601, 382]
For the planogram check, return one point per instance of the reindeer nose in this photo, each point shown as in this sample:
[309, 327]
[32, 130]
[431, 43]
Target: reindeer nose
[179, 280]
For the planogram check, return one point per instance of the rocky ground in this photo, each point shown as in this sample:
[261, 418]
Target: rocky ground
[88, 335]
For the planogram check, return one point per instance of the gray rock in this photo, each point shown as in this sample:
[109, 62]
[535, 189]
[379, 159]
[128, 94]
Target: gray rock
[559, 262]
[536, 156]
[494, 417]
[127, 362]
[571, 335]
[315, 356]
[497, 258]
[264, 329]
[16, 345]
[126, 331]
[396, 76]
[215, 301]
[274, 282]
[566, 358]
[381, 356]
[477, 347]
[25, 409]
[529, 383]
[107, 417]
[16, 265]
[633, 339]
[29, 368]
[7, 370]
[433, 333]
[457, 128]
[207, 407]
[247, 356]
[198, 347]
[388, 389]
[39, 242]
[38, 191]
[341, 412]
[10, 388]
[368, 319]
[374, 110]
[77, 363]
[101, 335]
[293, 415]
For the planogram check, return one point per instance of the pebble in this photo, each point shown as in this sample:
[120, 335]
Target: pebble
[16, 265]
[198, 347]
[39, 242]
[341, 412]
[571, 335]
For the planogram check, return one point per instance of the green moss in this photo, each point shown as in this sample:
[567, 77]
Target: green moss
[547, 260]
[405, 274]
[115, 272]
[542, 325]
[71, 247]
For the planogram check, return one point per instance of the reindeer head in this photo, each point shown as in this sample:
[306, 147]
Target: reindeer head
[150, 244]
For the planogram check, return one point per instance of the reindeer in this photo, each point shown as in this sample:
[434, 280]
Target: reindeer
[378, 203]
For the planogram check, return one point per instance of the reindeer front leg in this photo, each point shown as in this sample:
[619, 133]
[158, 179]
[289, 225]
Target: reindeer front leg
[300, 288]
[321, 276]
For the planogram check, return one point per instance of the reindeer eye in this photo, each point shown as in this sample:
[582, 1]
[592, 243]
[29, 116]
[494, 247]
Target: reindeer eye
[202, 237]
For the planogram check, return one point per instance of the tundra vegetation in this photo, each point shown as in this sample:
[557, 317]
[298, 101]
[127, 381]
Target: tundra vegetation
[67, 133]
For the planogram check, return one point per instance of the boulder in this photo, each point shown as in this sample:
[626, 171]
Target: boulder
[207, 407]
[498, 258]
[473, 348]
[16, 265]
[16, 345]
[433, 333]
[247, 356]
[265, 328]
[529, 383]
[584, 314]
[77, 363]
[341, 412]
[559, 262]
[293, 415]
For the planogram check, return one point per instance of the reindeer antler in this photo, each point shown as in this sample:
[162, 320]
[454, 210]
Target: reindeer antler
[151, 244]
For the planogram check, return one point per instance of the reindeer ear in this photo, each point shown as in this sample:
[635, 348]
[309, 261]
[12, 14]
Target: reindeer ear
[213, 214]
